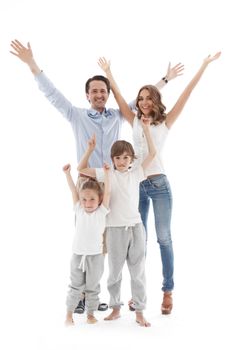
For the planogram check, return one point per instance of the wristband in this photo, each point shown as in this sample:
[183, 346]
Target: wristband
[165, 80]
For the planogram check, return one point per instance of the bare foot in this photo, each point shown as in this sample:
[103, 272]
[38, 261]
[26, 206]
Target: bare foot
[141, 320]
[114, 315]
[69, 322]
[91, 319]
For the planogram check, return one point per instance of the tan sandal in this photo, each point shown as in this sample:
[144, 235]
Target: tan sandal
[167, 304]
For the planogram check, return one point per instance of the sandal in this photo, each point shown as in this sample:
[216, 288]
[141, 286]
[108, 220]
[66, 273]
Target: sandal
[167, 305]
[103, 307]
[131, 305]
[80, 308]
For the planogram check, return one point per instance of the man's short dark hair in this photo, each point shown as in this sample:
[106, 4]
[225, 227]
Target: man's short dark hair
[100, 78]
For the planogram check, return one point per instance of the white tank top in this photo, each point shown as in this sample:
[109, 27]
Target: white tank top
[159, 134]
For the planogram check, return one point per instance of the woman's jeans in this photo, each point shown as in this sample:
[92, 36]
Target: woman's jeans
[158, 189]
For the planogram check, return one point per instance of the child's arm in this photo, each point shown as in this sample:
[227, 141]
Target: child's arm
[85, 158]
[178, 107]
[107, 187]
[172, 73]
[83, 164]
[71, 183]
[145, 122]
[123, 106]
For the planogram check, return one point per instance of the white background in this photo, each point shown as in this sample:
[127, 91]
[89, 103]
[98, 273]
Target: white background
[140, 38]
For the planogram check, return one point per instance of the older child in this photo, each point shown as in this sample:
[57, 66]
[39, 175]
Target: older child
[87, 263]
[125, 237]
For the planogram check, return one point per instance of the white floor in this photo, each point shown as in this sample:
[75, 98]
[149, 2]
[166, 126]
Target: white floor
[201, 318]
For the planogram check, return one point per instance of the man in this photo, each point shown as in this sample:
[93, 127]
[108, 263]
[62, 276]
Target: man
[104, 123]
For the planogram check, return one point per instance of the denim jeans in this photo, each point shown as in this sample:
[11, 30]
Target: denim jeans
[157, 189]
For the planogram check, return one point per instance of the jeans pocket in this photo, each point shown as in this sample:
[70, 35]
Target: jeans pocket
[159, 182]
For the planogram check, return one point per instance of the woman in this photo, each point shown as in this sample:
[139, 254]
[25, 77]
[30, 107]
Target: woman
[156, 187]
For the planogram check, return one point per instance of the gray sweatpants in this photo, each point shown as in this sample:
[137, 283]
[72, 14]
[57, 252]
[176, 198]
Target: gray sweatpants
[126, 244]
[87, 281]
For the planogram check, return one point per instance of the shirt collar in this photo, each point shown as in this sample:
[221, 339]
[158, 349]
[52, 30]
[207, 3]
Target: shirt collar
[92, 113]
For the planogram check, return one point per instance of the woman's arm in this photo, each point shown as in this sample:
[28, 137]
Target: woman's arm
[178, 107]
[71, 183]
[123, 106]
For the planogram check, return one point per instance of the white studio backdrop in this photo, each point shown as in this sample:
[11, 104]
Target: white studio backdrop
[140, 38]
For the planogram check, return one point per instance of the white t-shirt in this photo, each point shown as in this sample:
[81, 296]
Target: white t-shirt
[89, 229]
[124, 197]
[159, 134]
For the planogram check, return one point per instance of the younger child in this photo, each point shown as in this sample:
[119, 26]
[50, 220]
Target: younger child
[125, 237]
[87, 263]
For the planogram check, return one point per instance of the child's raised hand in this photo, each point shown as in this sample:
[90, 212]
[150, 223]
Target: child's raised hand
[104, 64]
[106, 167]
[145, 121]
[66, 168]
[92, 142]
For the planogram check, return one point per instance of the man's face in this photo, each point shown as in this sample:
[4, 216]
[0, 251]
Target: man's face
[97, 95]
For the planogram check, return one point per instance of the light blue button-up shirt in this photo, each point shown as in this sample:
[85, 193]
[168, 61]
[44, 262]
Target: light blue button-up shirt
[86, 122]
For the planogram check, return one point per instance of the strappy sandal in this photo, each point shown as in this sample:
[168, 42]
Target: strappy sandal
[80, 308]
[167, 304]
[103, 307]
[131, 305]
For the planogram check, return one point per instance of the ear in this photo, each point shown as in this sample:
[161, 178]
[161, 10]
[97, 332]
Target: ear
[87, 96]
[101, 197]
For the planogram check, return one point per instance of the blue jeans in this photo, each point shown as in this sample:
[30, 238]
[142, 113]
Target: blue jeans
[158, 189]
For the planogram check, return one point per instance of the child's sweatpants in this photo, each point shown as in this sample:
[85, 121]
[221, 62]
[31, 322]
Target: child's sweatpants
[126, 244]
[87, 281]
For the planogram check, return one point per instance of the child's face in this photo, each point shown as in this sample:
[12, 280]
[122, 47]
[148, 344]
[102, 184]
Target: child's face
[122, 162]
[89, 200]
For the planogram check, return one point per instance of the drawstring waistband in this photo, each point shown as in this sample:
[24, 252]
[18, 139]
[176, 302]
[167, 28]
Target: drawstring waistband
[82, 264]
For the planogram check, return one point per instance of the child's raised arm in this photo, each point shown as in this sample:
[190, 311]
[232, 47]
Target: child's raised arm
[107, 187]
[83, 164]
[85, 158]
[71, 183]
[145, 122]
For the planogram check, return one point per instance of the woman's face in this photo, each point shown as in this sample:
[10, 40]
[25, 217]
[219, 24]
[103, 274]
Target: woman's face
[145, 103]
